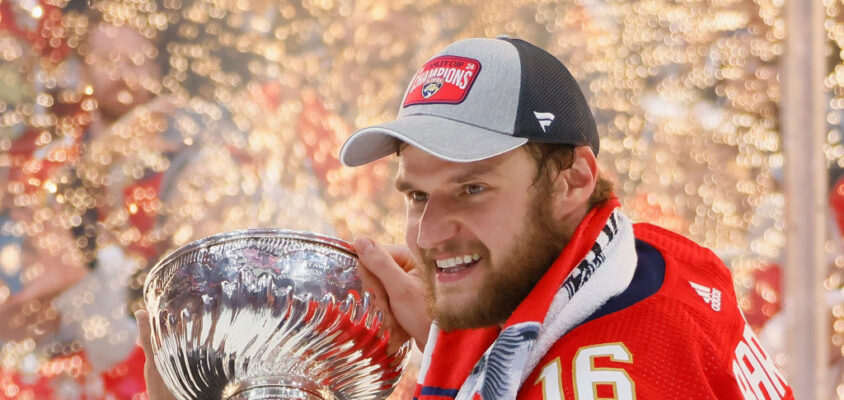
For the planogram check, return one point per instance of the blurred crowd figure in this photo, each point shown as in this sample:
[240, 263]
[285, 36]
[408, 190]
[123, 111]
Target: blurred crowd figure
[70, 317]
[138, 170]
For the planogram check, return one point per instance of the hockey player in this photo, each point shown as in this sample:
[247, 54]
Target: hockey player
[521, 278]
[526, 281]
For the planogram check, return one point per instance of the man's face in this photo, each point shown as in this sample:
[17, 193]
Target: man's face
[482, 232]
[119, 68]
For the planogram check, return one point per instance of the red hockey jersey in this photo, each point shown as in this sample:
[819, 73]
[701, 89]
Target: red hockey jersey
[687, 340]
[676, 332]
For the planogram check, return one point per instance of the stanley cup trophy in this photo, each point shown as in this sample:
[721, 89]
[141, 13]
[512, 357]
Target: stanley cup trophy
[268, 314]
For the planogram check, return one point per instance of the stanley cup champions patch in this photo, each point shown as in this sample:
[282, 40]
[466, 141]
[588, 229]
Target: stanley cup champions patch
[443, 80]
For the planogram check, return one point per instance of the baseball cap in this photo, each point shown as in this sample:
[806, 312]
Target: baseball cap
[479, 98]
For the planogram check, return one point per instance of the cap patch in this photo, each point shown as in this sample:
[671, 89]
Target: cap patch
[443, 80]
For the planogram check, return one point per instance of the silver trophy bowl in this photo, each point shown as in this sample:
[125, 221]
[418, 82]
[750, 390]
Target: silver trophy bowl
[268, 314]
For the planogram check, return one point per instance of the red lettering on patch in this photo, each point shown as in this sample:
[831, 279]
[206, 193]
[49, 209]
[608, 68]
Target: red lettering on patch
[443, 80]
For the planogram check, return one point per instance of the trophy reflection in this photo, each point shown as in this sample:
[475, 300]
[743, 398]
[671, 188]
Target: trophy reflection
[268, 314]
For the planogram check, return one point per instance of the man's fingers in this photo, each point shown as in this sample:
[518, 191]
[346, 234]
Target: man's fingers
[402, 256]
[156, 389]
[373, 285]
[144, 330]
[376, 285]
[380, 260]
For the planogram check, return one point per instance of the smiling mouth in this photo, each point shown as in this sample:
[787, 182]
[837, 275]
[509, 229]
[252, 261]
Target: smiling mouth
[457, 264]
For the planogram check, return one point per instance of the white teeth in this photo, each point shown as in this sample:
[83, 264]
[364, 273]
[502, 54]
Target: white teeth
[459, 260]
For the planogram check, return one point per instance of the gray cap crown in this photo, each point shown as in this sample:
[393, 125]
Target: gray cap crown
[477, 99]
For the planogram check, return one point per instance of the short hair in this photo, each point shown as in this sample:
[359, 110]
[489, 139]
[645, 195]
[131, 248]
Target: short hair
[552, 158]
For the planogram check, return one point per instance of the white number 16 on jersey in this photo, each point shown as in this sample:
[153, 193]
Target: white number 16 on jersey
[587, 377]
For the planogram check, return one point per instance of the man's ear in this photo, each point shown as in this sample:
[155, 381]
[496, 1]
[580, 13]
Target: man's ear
[575, 185]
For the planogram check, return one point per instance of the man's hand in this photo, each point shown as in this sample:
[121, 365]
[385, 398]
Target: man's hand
[390, 273]
[156, 390]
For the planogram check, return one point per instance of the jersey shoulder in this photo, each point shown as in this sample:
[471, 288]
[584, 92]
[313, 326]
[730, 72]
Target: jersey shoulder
[681, 342]
[695, 309]
[695, 276]
[694, 259]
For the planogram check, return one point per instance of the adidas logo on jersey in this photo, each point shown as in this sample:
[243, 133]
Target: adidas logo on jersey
[711, 296]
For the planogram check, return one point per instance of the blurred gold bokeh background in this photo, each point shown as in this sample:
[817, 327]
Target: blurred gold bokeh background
[130, 127]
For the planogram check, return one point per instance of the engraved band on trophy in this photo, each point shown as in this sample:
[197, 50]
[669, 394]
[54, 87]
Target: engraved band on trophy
[268, 314]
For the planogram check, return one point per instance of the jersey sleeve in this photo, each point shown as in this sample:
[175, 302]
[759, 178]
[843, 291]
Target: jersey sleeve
[704, 284]
[750, 372]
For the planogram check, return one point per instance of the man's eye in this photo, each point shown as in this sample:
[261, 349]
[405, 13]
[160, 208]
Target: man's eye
[417, 196]
[473, 189]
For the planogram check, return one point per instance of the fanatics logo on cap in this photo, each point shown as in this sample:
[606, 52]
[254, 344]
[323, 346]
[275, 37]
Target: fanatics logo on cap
[545, 119]
[443, 80]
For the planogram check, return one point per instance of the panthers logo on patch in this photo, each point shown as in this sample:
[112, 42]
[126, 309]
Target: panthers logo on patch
[432, 88]
[443, 80]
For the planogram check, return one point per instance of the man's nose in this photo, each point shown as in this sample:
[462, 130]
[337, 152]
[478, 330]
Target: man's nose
[436, 225]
